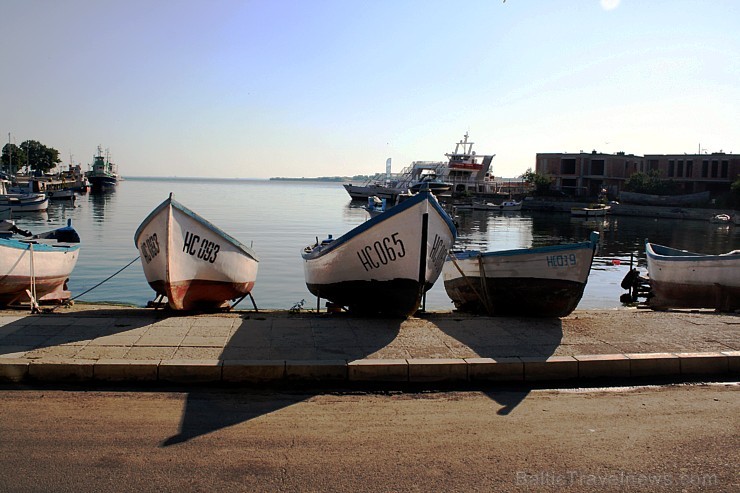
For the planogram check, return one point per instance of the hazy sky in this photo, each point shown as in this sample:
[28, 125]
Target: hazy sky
[267, 88]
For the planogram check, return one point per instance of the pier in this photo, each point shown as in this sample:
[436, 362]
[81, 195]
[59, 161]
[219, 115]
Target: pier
[95, 344]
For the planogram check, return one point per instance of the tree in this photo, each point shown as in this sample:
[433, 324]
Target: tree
[541, 183]
[650, 182]
[33, 154]
[13, 158]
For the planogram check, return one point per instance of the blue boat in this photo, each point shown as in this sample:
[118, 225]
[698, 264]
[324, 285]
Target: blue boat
[538, 282]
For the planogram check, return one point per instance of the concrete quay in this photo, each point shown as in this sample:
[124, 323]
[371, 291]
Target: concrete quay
[89, 343]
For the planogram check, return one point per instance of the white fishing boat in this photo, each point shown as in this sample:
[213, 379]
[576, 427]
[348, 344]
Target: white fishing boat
[537, 282]
[597, 210]
[21, 202]
[36, 269]
[191, 262]
[385, 265]
[505, 206]
[682, 279]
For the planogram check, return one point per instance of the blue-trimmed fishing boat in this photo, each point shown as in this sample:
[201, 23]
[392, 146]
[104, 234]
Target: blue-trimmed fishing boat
[191, 262]
[538, 282]
[385, 265]
[682, 279]
[36, 269]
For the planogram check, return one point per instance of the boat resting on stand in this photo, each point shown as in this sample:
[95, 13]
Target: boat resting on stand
[683, 279]
[385, 265]
[37, 268]
[538, 282]
[191, 262]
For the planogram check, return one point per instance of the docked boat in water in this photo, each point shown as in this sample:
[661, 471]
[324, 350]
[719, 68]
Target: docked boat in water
[21, 202]
[191, 262]
[37, 268]
[505, 206]
[104, 174]
[683, 279]
[428, 180]
[543, 281]
[597, 210]
[385, 265]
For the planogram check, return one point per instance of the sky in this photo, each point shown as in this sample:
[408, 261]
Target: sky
[307, 88]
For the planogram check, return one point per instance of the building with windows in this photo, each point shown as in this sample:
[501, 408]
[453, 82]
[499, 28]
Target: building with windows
[586, 174]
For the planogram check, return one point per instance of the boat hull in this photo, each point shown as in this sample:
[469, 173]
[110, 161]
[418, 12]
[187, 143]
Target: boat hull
[680, 279]
[24, 202]
[537, 282]
[384, 266]
[193, 263]
[52, 266]
[102, 183]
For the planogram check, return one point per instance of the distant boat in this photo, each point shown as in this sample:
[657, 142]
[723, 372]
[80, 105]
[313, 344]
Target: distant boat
[385, 265]
[375, 206]
[190, 261]
[21, 202]
[597, 210]
[104, 174]
[682, 279]
[37, 268]
[428, 180]
[538, 282]
[506, 206]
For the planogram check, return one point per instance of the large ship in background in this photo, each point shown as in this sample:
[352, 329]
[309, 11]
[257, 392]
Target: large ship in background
[104, 174]
[464, 173]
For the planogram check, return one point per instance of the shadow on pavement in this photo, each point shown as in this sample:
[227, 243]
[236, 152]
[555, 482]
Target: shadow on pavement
[316, 337]
[503, 337]
[36, 332]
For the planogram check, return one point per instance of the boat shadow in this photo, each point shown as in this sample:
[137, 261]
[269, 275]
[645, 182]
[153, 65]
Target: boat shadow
[501, 338]
[302, 337]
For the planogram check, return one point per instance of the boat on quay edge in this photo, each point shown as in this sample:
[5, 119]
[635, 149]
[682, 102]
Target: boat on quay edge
[37, 268]
[104, 174]
[683, 279]
[385, 265]
[543, 281]
[191, 262]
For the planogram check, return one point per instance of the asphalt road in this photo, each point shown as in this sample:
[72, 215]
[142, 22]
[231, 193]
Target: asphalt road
[668, 438]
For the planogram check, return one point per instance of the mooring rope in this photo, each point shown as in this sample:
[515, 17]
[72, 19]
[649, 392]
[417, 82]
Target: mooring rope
[106, 280]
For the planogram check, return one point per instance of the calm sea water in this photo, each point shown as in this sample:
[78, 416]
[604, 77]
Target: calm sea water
[279, 218]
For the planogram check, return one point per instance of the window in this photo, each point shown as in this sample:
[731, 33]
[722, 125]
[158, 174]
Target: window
[715, 166]
[689, 169]
[652, 164]
[597, 167]
[679, 169]
[568, 166]
[671, 168]
[705, 169]
[724, 169]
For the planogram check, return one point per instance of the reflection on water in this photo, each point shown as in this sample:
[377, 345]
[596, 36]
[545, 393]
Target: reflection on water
[279, 218]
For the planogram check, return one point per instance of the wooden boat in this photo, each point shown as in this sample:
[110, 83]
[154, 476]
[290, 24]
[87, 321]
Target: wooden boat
[539, 282]
[682, 279]
[104, 174]
[385, 265]
[190, 261]
[592, 211]
[37, 268]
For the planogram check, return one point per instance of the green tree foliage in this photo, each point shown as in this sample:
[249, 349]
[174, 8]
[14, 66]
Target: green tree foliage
[13, 158]
[650, 182]
[40, 157]
[540, 182]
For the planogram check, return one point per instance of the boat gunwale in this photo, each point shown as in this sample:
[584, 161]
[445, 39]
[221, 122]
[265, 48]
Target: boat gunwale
[467, 254]
[321, 250]
[676, 255]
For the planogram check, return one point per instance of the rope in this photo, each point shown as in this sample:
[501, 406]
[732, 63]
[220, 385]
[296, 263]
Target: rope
[106, 280]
